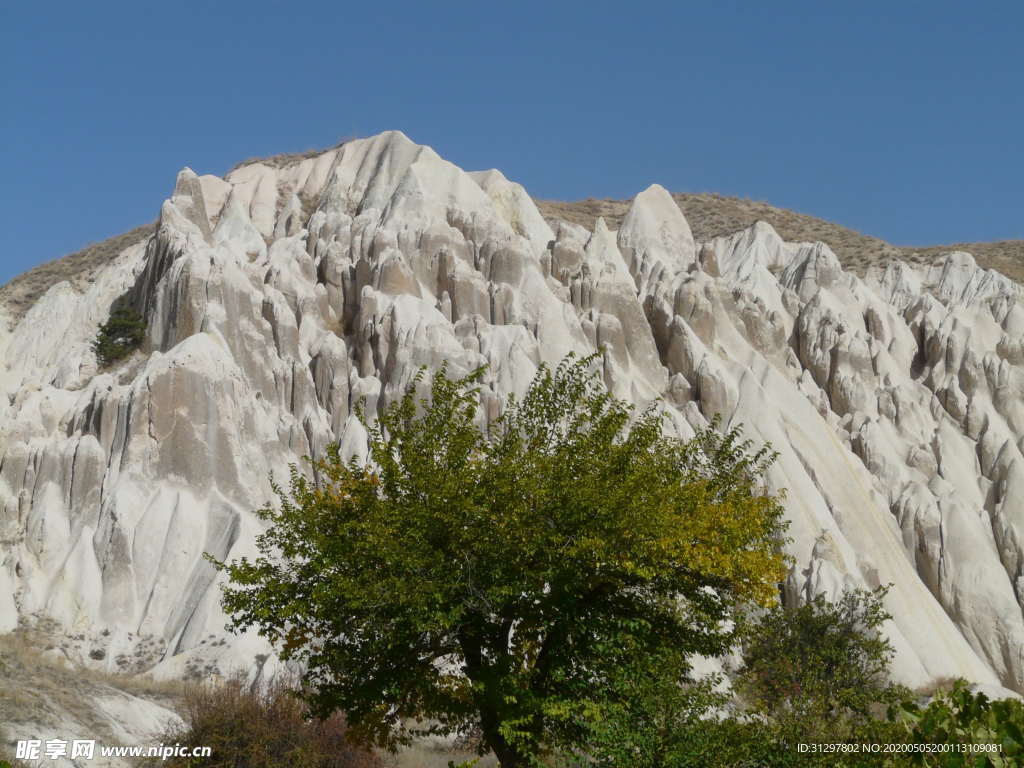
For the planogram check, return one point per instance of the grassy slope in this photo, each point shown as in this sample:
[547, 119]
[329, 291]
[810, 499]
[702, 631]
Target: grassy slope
[38, 689]
[711, 215]
[78, 268]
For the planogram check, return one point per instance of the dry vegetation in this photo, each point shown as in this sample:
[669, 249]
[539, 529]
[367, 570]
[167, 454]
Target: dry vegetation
[286, 158]
[250, 726]
[711, 215]
[37, 686]
[1006, 256]
[267, 727]
[279, 161]
[78, 268]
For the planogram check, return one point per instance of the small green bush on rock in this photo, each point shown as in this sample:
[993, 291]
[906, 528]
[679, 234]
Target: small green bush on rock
[122, 334]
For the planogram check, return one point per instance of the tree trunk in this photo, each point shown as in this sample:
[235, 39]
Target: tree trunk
[507, 756]
[487, 702]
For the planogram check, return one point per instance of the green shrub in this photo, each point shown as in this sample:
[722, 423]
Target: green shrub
[651, 715]
[959, 717]
[817, 673]
[726, 739]
[123, 333]
[820, 671]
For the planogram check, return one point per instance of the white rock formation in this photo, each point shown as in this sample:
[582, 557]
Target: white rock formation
[277, 297]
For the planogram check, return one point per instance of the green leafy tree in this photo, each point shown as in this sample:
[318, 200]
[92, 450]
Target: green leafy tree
[820, 671]
[123, 333]
[497, 579]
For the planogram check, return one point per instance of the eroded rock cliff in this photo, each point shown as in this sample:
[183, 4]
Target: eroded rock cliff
[277, 297]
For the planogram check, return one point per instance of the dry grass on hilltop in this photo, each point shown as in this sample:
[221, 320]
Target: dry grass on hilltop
[711, 215]
[77, 268]
[284, 159]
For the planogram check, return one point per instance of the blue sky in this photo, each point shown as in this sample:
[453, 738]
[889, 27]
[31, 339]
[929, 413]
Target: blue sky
[903, 120]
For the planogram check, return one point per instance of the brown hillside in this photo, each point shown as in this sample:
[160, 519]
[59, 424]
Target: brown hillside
[21, 292]
[712, 215]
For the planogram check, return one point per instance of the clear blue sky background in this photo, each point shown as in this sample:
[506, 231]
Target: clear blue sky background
[900, 119]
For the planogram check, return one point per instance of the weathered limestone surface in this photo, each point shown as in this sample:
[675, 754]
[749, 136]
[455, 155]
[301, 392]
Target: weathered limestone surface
[278, 297]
